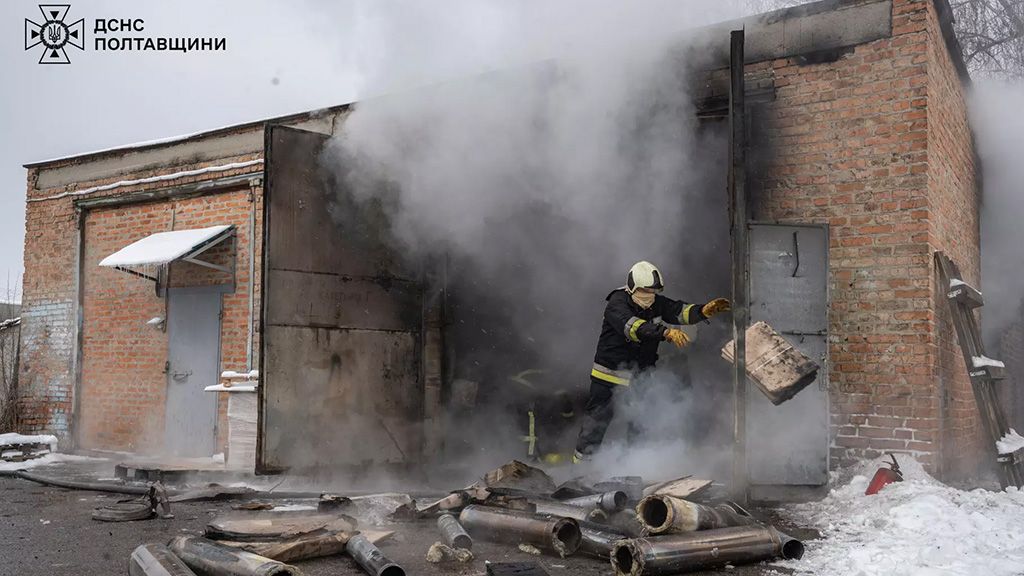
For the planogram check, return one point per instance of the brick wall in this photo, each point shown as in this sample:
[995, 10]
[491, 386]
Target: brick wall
[954, 229]
[123, 381]
[849, 143]
[48, 317]
[122, 360]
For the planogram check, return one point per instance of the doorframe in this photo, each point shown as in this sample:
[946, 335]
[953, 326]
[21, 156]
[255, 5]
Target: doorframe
[795, 492]
[220, 290]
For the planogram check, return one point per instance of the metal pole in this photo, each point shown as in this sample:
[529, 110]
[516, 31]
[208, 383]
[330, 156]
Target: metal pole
[737, 184]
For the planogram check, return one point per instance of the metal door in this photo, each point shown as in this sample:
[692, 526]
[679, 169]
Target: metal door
[341, 322]
[193, 333]
[788, 444]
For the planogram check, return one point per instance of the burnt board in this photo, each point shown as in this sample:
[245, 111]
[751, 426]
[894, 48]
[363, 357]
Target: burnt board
[341, 316]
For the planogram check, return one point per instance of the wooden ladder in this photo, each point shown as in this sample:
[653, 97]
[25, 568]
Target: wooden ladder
[963, 299]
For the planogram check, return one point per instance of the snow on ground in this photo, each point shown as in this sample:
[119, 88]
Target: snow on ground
[11, 439]
[917, 527]
[52, 458]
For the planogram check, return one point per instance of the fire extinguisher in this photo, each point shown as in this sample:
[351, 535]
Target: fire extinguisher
[885, 476]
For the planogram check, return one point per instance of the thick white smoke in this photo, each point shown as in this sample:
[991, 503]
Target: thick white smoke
[999, 131]
[544, 180]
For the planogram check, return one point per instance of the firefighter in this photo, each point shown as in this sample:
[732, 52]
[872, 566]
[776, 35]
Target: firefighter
[636, 319]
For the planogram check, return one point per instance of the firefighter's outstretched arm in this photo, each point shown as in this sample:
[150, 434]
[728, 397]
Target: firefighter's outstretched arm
[679, 312]
[620, 315]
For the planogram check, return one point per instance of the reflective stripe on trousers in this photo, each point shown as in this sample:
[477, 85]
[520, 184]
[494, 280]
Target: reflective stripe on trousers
[618, 377]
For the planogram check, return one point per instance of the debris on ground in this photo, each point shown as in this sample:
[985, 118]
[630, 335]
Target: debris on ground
[453, 533]
[555, 534]
[515, 569]
[529, 549]
[685, 487]
[154, 503]
[253, 505]
[213, 559]
[333, 503]
[156, 560]
[665, 515]
[213, 492]
[679, 553]
[441, 552]
[269, 526]
[370, 558]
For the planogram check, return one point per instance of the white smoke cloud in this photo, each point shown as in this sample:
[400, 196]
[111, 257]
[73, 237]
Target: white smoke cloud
[999, 131]
[544, 179]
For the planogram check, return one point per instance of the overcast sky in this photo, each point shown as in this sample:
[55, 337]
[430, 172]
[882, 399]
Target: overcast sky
[281, 57]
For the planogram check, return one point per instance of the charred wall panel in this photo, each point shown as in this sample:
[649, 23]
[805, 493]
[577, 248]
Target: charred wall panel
[341, 323]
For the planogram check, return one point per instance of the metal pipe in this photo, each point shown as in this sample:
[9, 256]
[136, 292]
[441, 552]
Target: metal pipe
[598, 539]
[253, 184]
[156, 560]
[578, 513]
[662, 514]
[453, 532]
[675, 554]
[627, 522]
[608, 501]
[213, 559]
[370, 558]
[553, 533]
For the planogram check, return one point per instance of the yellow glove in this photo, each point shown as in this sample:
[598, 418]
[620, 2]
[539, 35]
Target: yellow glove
[677, 337]
[715, 306]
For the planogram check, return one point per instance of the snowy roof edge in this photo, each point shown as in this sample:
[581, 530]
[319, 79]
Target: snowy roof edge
[314, 113]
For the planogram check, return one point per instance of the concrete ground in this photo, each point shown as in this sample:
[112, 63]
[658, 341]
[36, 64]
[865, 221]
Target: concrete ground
[46, 531]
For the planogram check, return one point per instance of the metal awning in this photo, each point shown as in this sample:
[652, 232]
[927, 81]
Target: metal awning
[167, 247]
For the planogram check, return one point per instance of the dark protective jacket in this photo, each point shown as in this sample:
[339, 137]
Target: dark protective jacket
[630, 335]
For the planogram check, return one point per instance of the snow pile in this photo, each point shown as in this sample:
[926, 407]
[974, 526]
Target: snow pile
[52, 458]
[12, 439]
[1010, 442]
[918, 526]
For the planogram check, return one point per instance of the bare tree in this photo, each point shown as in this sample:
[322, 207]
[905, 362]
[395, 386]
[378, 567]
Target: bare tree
[10, 329]
[991, 33]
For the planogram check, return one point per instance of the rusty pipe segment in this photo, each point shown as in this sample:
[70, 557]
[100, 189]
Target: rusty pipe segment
[213, 559]
[556, 534]
[608, 501]
[156, 560]
[577, 513]
[453, 532]
[370, 558]
[662, 514]
[680, 553]
[598, 539]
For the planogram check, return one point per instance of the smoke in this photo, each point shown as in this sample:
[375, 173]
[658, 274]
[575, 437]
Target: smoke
[999, 131]
[542, 182]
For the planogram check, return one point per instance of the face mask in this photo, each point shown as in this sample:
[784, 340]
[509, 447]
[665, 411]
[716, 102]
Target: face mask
[643, 299]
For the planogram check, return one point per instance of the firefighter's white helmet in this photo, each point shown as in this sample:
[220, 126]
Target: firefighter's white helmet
[643, 274]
